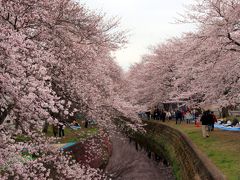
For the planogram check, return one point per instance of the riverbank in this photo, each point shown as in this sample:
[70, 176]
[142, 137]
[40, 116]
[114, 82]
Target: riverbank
[175, 149]
[89, 146]
[222, 147]
[94, 151]
[129, 161]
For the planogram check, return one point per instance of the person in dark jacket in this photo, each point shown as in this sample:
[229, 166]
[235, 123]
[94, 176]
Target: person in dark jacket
[148, 113]
[206, 119]
[158, 114]
[163, 115]
[178, 115]
[213, 120]
[55, 130]
[235, 122]
[86, 123]
[60, 129]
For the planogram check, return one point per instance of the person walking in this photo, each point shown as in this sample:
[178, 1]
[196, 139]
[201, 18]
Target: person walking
[152, 113]
[163, 115]
[86, 123]
[55, 130]
[188, 117]
[168, 115]
[206, 119]
[178, 115]
[158, 114]
[155, 114]
[213, 120]
[148, 113]
[194, 115]
[183, 115]
[60, 129]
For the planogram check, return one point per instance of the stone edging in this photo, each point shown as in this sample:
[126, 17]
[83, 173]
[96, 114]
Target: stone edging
[193, 163]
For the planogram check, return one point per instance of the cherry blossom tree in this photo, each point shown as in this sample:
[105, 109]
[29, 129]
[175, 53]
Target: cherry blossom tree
[55, 61]
[203, 64]
[151, 81]
[218, 35]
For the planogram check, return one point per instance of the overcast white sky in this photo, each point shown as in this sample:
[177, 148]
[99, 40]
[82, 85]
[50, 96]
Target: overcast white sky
[149, 22]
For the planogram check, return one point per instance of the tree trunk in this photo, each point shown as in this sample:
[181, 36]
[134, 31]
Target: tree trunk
[225, 112]
[45, 127]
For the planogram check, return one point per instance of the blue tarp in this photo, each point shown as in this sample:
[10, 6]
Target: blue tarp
[226, 128]
[68, 145]
[75, 127]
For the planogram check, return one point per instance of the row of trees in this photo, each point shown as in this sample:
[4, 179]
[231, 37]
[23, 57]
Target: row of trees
[55, 61]
[202, 66]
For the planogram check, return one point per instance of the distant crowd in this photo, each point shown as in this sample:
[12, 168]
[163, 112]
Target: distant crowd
[196, 116]
[178, 115]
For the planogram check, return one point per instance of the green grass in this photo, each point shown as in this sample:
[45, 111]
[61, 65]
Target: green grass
[75, 135]
[222, 147]
[78, 135]
[22, 138]
[70, 134]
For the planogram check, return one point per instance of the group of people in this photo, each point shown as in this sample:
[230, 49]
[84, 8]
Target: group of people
[179, 115]
[208, 119]
[158, 114]
[58, 129]
[234, 123]
[188, 115]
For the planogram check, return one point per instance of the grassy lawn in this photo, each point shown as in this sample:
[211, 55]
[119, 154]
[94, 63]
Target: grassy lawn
[222, 147]
[75, 135]
[70, 134]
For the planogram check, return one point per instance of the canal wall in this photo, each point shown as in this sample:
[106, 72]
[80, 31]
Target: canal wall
[176, 148]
